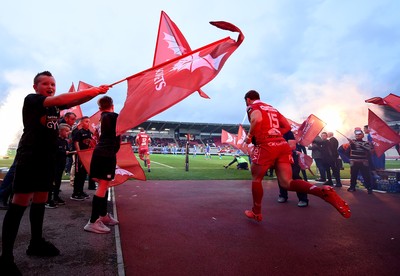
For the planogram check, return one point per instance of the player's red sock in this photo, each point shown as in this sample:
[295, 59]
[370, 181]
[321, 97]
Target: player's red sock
[305, 187]
[258, 192]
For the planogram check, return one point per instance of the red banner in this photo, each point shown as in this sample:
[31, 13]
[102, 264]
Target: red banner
[229, 138]
[171, 44]
[391, 100]
[158, 88]
[309, 129]
[383, 137]
[127, 164]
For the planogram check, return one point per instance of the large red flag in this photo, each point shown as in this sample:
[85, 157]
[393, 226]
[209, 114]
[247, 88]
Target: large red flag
[170, 44]
[228, 138]
[127, 164]
[158, 88]
[75, 109]
[309, 129]
[391, 100]
[383, 137]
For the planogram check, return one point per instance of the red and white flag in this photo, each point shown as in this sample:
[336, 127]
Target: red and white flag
[127, 164]
[383, 137]
[309, 129]
[75, 109]
[241, 141]
[171, 44]
[294, 127]
[391, 100]
[154, 90]
[304, 160]
[229, 138]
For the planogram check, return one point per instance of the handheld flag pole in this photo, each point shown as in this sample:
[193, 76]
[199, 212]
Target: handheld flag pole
[244, 118]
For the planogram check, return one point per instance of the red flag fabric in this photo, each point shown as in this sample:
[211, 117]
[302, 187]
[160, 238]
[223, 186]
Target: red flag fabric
[241, 141]
[171, 44]
[391, 100]
[228, 138]
[294, 127]
[309, 129]
[83, 85]
[158, 88]
[75, 109]
[127, 164]
[94, 125]
[304, 160]
[383, 137]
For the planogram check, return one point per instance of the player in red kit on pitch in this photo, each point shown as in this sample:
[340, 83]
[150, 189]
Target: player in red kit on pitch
[143, 140]
[267, 127]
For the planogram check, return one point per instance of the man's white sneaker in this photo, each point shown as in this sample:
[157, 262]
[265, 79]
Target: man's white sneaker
[109, 220]
[97, 227]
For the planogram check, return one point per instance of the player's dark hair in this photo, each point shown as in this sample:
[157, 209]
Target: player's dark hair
[38, 75]
[84, 117]
[252, 95]
[105, 102]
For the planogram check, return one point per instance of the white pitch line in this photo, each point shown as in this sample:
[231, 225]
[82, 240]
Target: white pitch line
[162, 164]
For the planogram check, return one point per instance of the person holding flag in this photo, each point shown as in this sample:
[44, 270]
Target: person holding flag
[102, 167]
[267, 126]
[36, 157]
[359, 152]
[143, 140]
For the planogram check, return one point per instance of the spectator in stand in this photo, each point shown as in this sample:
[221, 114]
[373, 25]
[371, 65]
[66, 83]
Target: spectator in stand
[143, 140]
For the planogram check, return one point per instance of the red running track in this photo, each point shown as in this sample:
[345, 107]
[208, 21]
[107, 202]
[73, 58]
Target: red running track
[198, 228]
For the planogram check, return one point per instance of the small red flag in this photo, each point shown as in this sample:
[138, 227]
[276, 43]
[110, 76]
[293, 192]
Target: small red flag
[229, 138]
[127, 164]
[241, 141]
[309, 129]
[154, 90]
[304, 160]
[391, 100]
[383, 137]
[75, 109]
[83, 85]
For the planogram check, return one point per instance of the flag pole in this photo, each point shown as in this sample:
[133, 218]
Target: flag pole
[244, 118]
[342, 134]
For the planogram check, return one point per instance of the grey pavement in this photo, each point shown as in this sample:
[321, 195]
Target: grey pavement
[82, 253]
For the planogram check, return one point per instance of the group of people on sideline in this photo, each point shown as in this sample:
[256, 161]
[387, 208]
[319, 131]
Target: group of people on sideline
[47, 143]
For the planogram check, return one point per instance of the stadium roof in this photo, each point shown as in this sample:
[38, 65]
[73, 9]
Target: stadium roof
[190, 127]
